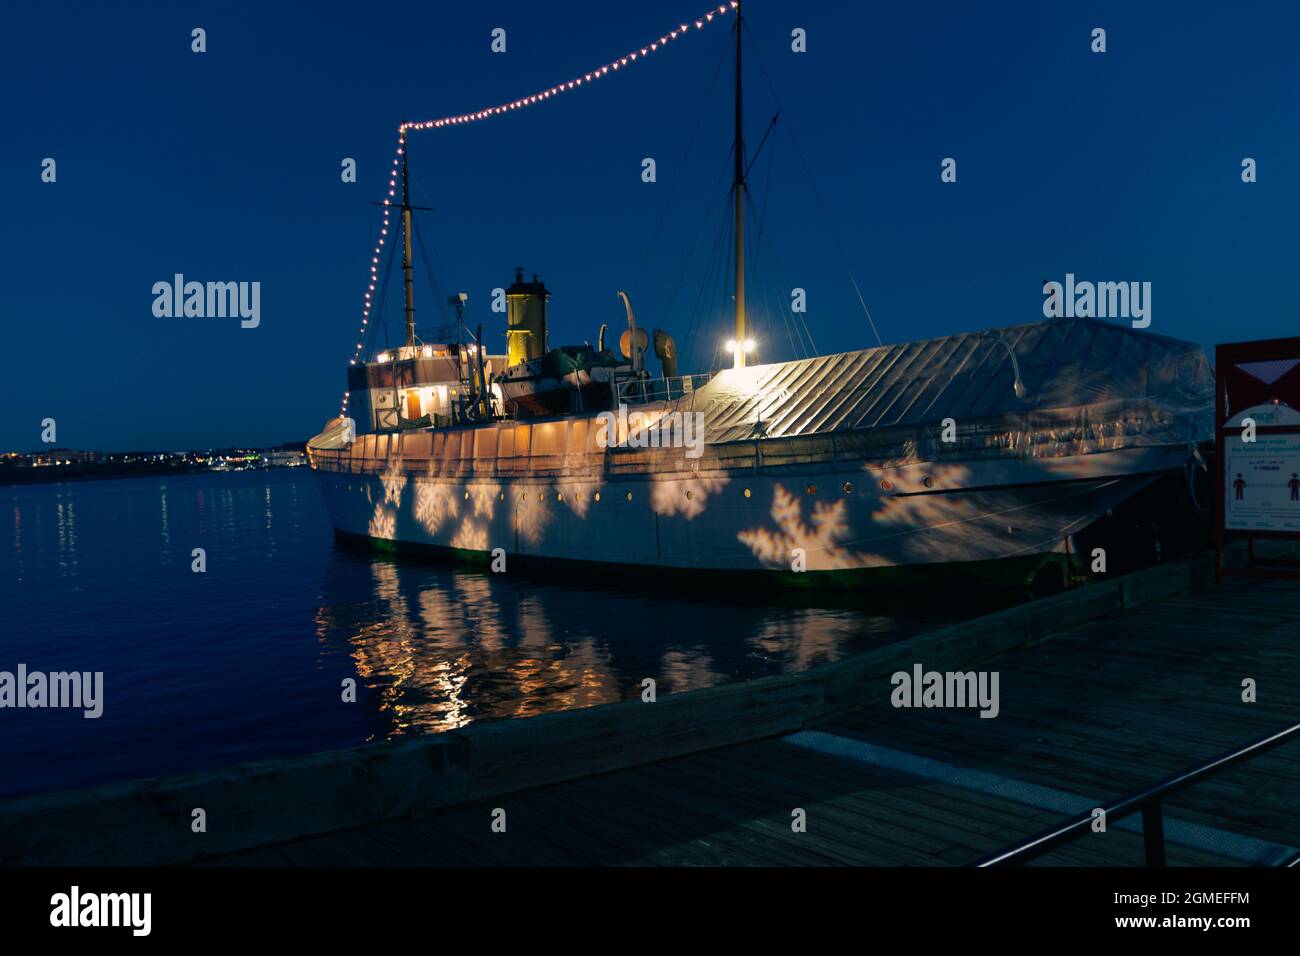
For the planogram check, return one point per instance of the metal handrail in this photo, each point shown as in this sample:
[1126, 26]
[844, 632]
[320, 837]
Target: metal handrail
[439, 334]
[1147, 801]
[643, 390]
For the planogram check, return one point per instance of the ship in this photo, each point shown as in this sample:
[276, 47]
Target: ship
[989, 456]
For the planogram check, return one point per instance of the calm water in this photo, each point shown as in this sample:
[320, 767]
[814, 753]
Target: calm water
[246, 660]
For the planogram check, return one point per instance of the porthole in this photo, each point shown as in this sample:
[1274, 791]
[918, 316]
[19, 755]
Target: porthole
[928, 481]
[503, 496]
[629, 496]
[467, 496]
[848, 488]
[812, 489]
[886, 484]
[748, 493]
[689, 495]
[559, 496]
[596, 496]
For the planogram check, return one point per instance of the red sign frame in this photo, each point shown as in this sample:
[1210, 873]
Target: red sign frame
[1236, 390]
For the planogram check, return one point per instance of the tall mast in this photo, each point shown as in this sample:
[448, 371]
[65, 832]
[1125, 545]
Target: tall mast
[406, 258]
[738, 191]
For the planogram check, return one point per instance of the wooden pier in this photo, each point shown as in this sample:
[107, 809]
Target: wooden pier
[1086, 716]
[1103, 691]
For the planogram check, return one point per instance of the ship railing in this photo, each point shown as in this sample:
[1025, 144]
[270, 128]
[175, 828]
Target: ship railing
[639, 391]
[1148, 802]
[439, 334]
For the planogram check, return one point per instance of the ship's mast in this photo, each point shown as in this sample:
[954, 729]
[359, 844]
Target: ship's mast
[738, 191]
[406, 257]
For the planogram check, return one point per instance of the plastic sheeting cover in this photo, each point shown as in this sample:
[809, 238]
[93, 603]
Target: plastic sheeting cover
[1099, 376]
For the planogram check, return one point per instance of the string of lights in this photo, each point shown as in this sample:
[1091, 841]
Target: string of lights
[389, 204]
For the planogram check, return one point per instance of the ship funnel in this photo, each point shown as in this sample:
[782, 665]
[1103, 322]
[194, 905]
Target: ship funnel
[525, 319]
[666, 352]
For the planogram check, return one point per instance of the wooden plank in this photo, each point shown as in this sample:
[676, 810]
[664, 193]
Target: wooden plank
[760, 812]
[683, 838]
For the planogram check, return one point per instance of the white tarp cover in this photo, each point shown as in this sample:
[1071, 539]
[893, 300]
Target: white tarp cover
[1101, 382]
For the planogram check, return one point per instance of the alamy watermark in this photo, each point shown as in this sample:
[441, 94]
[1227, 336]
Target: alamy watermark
[71, 689]
[128, 910]
[623, 429]
[922, 688]
[1098, 300]
[209, 300]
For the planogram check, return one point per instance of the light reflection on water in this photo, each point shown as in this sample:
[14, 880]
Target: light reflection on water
[442, 647]
[248, 660]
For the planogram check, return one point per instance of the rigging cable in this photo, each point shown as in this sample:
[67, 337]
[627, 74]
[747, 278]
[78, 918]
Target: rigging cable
[760, 217]
[678, 178]
[802, 330]
[440, 300]
[501, 109]
[382, 300]
[807, 172]
[690, 252]
[708, 283]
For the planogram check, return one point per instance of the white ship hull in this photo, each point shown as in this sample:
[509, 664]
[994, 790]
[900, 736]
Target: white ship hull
[902, 457]
[813, 520]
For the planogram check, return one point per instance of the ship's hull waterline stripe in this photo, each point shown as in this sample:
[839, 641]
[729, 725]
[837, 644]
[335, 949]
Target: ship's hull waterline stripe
[1197, 836]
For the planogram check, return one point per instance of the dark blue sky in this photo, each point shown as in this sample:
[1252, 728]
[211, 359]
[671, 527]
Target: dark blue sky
[225, 166]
